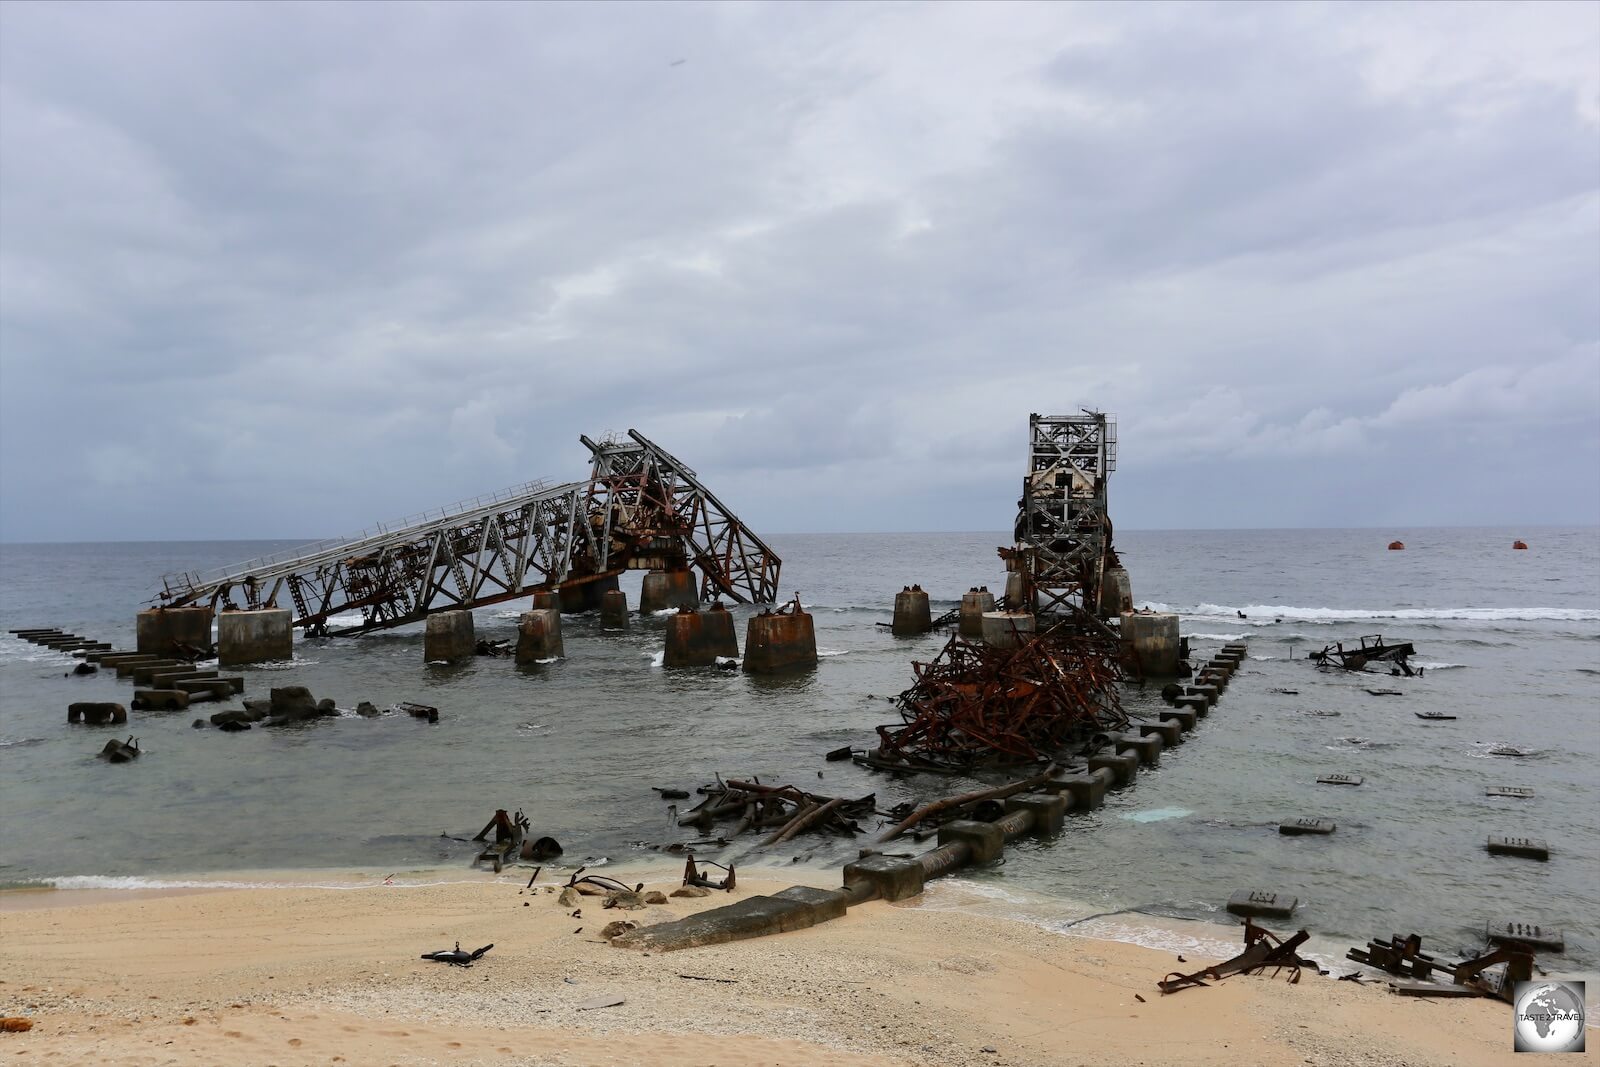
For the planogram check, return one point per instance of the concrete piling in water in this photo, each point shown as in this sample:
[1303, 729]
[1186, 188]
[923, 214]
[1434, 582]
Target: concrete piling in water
[166, 631]
[255, 636]
[912, 615]
[449, 638]
[975, 603]
[614, 610]
[546, 598]
[1116, 593]
[668, 589]
[775, 642]
[1007, 629]
[1150, 644]
[700, 638]
[539, 636]
[1016, 591]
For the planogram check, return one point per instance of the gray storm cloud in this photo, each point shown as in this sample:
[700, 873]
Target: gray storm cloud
[318, 265]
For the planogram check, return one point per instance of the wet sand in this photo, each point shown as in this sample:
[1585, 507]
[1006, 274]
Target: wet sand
[299, 975]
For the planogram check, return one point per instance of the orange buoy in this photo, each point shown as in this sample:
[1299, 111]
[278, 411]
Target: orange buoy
[1395, 546]
[1519, 544]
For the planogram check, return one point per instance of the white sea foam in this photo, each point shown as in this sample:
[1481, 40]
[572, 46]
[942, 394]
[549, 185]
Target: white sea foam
[833, 652]
[1438, 666]
[727, 661]
[657, 659]
[1267, 614]
[1218, 637]
[1156, 814]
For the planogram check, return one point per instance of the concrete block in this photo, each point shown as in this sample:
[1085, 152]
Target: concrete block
[975, 603]
[164, 631]
[539, 637]
[1262, 902]
[1150, 644]
[700, 638]
[1147, 747]
[143, 672]
[163, 675]
[235, 681]
[1049, 812]
[546, 599]
[894, 877]
[775, 643]
[1516, 932]
[1341, 779]
[825, 904]
[1087, 791]
[265, 636]
[1171, 733]
[1186, 718]
[1533, 848]
[97, 713]
[1226, 666]
[450, 638]
[1209, 692]
[125, 668]
[1306, 826]
[1116, 593]
[1198, 705]
[757, 916]
[614, 610]
[1007, 629]
[205, 688]
[111, 654]
[662, 590]
[1517, 792]
[1124, 767]
[162, 699]
[985, 840]
[912, 615]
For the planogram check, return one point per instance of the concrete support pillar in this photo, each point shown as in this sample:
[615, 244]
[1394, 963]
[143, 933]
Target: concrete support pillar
[546, 598]
[912, 615]
[449, 637]
[700, 638]
[668, 589]
[1116, 593]
[975, 603]
[1015, 589]
[167, 631]
[1150, 644]
[1007, 629]
[775, 643]
[539, 636]
[255, 636]
[614, 610]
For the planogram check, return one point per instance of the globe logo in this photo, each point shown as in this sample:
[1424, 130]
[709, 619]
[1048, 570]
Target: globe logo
[1549, 1017]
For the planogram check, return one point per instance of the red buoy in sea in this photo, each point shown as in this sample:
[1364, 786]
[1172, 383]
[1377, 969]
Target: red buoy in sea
[1395, 546]
[1519, 544]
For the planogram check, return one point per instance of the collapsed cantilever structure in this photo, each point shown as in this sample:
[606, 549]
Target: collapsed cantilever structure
[641, 508]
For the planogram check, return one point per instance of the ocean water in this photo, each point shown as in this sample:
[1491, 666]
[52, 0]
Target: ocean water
[1510, 640]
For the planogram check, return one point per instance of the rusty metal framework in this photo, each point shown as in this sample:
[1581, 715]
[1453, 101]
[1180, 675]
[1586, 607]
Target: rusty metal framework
[1063, 530]
[641, 508]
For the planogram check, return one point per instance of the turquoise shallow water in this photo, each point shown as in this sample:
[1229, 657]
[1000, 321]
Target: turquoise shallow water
[1513, 639]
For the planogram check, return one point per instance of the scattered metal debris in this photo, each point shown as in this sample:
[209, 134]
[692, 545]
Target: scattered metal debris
[951, 807]
[418, 711]
[1369, 649]
[1263, 949]
[692, 876]
[1404, 958]
[457, 957]
[974, 705]
[120, 751]
[497, 649]
[785, 810]
[508, 834]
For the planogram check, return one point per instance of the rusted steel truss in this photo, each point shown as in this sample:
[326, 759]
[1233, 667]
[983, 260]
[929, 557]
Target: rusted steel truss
[1063, 531]
[974, 705]
[641, 508]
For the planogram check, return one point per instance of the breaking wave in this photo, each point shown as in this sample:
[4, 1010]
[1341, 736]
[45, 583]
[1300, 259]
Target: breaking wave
[1267, 614]
[1438, 666]
[1218, 637]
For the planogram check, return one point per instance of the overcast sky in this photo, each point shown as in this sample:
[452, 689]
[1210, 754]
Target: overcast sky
[284, 270]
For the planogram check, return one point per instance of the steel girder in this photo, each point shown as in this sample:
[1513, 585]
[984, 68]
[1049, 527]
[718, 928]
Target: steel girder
[1063, 531]
[640, 508]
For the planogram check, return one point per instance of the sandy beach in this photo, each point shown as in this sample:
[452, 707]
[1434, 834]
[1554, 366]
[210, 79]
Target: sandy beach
[300, 975]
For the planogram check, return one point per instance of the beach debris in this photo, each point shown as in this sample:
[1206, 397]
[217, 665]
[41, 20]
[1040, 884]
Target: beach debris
[1307, 826]
[1437, 716]
[1396, 546]
[785, 810]
[539, 848]
[494, 648]
[96, 713]
[705, 978]
[671, 794]
[1286, 692]
[1249, 902]
[693, 877]
[974, 705]
[1386, 692]
[1531, 847]
[1526, 934]
[1404, 958]
[418, 711]
[1371, 648]
[1262, 949]
[600, 1002]
[509, 832]
[1518, 792]
[617, 929]
[951, 807]
[1340, 779]
[457, 956]
[691, 891]
[85, 668]
[594, 885]
[15, 1024]
[120, 751]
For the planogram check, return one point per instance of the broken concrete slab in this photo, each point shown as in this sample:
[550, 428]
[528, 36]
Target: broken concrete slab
[1297, 827]
[1531, 847]
[1341, 779]
[1535, 935]
[894, 877]
[757, 916]
[1262, 902]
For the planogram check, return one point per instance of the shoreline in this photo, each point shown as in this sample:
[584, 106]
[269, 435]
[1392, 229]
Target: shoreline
[301, 974]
